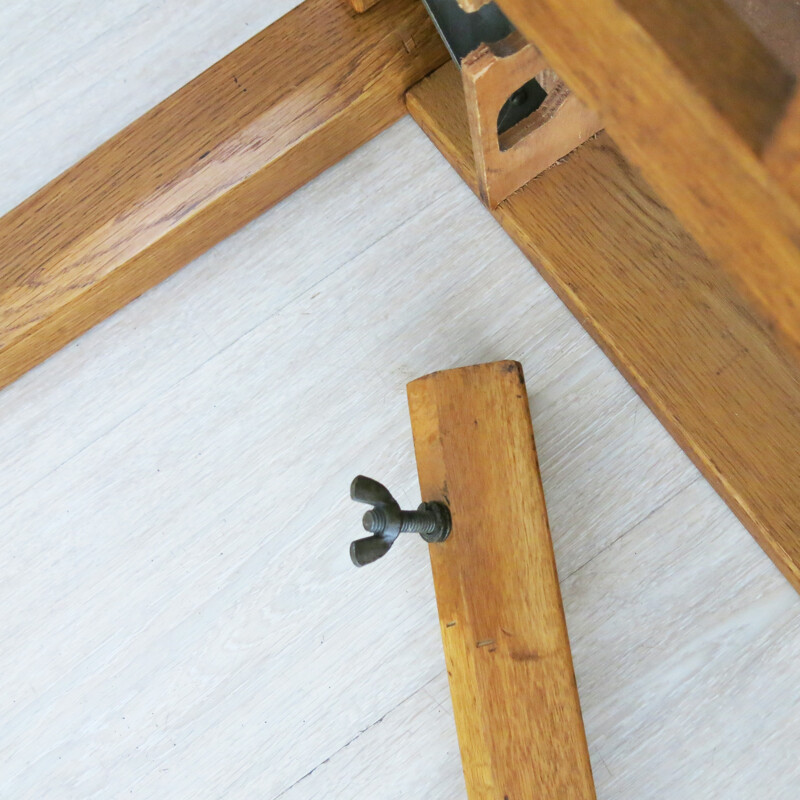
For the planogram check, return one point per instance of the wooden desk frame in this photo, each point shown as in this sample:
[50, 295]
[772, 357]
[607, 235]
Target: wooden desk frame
[709, 338]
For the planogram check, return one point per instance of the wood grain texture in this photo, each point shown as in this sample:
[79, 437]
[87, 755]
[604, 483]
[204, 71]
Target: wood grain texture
[253, 128]
[491, 74]
[363, 5]
[156, 471]
[719, 55]
[691, 98]
[159, 480]
[667, 318]
[505, 639]
[782, 155]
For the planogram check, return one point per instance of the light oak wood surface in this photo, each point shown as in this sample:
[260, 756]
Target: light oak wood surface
[505, 639]
[692, 98]
[666, 316]
[253, 128]
[179, 614]
[782, 155]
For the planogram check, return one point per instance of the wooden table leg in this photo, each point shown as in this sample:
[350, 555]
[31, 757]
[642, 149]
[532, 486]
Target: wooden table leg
[515, 698]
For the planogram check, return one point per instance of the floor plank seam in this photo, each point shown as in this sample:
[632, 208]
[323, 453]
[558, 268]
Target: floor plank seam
[224, 348]
[634, 527]
[359, 734]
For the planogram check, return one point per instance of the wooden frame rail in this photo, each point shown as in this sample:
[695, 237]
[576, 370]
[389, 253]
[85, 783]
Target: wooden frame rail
[694, 100]
[250, 130]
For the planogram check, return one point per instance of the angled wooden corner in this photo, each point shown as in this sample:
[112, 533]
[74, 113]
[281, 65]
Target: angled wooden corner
[491, 74]
[663, 312]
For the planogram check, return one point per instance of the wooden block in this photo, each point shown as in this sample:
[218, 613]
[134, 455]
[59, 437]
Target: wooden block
[251, 129]
[691, 98]
[505, 638]
[665, 315]
[491, 74]
[363, 5]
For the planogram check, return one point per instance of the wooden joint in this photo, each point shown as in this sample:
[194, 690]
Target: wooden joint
[491, 74]
[663, 311]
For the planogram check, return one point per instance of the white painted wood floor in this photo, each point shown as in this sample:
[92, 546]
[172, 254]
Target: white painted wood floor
[178, 614]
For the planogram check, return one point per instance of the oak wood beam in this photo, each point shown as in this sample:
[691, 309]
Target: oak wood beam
[670, 320]
[250, 130]
[716, 52]
[515, 700]
[692, 98]
[782, 155]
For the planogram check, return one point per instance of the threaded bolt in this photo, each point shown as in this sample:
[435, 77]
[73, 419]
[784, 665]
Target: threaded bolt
[430, 520]
[417, 522]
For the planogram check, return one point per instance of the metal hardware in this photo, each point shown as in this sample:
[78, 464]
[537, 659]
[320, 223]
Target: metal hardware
[463, 31]
[386, 521]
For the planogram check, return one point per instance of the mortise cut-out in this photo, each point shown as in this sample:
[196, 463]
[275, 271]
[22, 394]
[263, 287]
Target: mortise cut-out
[520, 105]
[553, 94]
[534, 140]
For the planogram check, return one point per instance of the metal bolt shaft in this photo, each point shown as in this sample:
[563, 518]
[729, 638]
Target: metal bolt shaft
[418, 522]
[410, 521]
